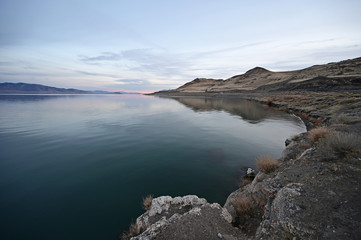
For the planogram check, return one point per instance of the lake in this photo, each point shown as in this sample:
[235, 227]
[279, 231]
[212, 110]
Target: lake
[77, 166]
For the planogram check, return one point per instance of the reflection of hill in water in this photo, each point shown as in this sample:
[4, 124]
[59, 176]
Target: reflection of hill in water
[250, 111]
[33, 98]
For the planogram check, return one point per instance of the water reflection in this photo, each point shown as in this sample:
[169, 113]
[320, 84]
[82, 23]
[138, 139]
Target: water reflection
[34, 97]
[251, 112]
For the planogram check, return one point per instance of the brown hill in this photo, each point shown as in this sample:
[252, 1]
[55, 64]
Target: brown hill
[339, 75]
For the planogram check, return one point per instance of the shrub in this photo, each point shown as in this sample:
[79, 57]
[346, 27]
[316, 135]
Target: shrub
[147, 202]
[340, 145]
[266, 164]
[244, 207]
[296, 137]
[304, 145]
[133, 231]
[317, 134]
[245, 181]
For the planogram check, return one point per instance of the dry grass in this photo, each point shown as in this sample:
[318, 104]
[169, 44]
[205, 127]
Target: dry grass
[147, 202]
[245, 181]
[259, 200]
[304, 145]
[244, 207]
[267, 164]
[296, 137]
[355, 105]
[132, 232]
[340, 145]
[319, 133]
[345, 119]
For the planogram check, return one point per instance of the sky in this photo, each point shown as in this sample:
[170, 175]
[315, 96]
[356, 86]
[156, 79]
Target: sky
[151, 45]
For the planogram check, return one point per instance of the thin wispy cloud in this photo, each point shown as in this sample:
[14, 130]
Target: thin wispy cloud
[229, 49]
[131, 81]
[105, 56]
[96, 74]
[5, 63]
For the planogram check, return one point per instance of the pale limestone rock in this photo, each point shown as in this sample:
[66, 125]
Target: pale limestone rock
[225, 214]
[166, 210]
[159, 205]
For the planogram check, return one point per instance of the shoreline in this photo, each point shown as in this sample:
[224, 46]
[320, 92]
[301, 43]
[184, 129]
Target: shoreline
[288, 192]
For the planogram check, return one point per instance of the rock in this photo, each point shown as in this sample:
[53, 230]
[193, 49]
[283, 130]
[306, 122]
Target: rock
[250, 171]
[256, 193]
[285, 210]
[225, 214]
[332, 193]
[159, 205]
[167, 212]
[287, 142]
[219, 235]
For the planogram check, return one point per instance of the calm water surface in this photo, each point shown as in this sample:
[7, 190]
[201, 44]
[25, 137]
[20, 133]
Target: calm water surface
[77, 166]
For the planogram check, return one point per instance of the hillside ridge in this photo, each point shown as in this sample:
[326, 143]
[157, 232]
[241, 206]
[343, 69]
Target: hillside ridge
[345, 74]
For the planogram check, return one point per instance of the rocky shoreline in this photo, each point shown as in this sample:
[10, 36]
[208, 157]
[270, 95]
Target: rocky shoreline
[314, 193]
[311, 192]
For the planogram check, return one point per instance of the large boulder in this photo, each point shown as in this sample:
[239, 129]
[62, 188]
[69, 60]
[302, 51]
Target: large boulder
[177, 218]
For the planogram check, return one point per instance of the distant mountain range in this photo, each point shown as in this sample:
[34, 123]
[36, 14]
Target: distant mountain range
[27, 88]
[344, 75]
[36, 89]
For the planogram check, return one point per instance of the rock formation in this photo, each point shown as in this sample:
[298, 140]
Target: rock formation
[176, 218]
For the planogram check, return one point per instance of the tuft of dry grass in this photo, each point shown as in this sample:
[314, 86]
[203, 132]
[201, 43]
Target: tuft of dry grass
[132, 232]
[340, 145]
[304, 145]
[296, 137]
[259, 200]
[245, 181]
[267, 164]
[319, 133]
[244, 207]
[147, 202]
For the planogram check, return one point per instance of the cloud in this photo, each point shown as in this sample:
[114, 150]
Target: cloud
[105, 56]
[140, 85]
[230, 49]
[11, 74]
[5, 63]
[158, 62]
[20, 64]
[131, 81]
[96, 74]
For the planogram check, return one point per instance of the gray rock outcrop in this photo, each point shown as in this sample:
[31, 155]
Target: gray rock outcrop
[184, 212]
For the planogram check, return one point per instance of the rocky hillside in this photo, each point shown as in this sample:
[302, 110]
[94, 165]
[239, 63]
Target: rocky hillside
[344, 75]
[26, 88]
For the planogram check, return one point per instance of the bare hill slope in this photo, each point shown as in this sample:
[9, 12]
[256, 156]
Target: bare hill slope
[345, 74]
